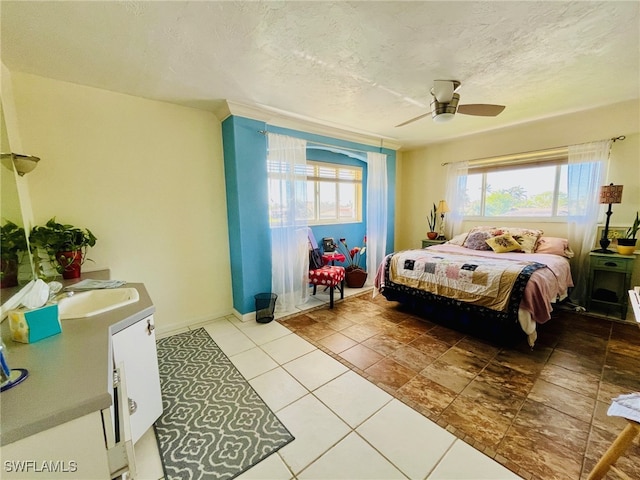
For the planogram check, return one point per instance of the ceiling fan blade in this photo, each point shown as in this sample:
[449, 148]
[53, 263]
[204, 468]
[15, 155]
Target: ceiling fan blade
[413, 120]
[481, 109]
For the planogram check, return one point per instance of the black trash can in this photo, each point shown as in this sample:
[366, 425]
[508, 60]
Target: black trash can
[265, 306]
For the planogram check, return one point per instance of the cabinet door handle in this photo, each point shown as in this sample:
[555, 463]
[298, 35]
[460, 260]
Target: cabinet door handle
[611, 264]
[150, 327]
[133, 406]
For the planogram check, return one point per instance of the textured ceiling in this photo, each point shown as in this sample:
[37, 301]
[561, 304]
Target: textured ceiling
[361, 66]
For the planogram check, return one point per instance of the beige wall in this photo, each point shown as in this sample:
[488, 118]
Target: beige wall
[146, 177]
[421, 178]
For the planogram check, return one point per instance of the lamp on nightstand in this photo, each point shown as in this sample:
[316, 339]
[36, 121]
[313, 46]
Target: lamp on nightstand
[442, 209]
[609, 194]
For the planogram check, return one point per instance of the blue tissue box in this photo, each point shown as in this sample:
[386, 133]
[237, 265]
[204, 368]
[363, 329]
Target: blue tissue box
[28, 326]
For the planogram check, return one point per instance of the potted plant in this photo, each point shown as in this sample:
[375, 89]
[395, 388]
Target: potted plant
[12, 241]
[431, 220]
[355, 275]
[66, 246]
[627, 245]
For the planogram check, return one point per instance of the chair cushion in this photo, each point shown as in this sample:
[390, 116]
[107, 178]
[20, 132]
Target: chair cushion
[327, 275]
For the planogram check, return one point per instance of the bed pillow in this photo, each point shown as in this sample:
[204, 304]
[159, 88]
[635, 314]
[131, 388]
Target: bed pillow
[503, 243]
[478, 240]
[555, 246]
[526, 237]
[458, 239]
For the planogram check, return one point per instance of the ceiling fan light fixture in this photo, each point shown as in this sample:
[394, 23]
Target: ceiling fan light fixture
[444, 112]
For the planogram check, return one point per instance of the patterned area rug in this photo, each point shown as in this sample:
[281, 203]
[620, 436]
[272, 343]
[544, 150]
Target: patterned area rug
[214, 425]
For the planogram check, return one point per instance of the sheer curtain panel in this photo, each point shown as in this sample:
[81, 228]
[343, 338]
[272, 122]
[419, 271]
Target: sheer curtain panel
[287, 160]
[376, 212]
[456, 188]
[586, 171]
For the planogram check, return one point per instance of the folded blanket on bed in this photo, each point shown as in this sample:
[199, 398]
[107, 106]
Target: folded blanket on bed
[487, 282]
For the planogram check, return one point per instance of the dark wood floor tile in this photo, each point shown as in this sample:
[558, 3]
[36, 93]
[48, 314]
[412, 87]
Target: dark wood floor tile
[557, 427]
[544, 459]
[402, 334]
[575, 404]
[609, 391]
[604, 421]
[625, 376]
[464, 359]
[431, 395]
[452, 376]
[577, 363]
[491, 397]
[316, 331]
[339, 323]
[412, 358]
[296, 323]
[478, 347]
[429, 345]
[507, 378]
[485, 426]
[390, 373]
[584, 383]
[337, 342]
[626, 333]
[383, 344]
[361, 356]
[446, 335]
[420, 325]
[360, 332]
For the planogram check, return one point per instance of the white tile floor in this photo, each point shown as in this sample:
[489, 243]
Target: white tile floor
[344, 426]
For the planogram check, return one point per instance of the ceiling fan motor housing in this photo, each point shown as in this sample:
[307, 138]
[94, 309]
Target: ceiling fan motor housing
[444, 112]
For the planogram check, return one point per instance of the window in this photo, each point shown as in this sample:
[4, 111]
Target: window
[523, 189]
[331, 193]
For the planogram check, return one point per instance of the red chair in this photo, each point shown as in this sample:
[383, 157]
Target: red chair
[330, 277]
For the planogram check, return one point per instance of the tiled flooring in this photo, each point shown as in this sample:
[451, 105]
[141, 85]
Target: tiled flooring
[540, 413]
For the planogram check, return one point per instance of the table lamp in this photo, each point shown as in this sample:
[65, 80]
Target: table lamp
[609, 194]
[442, 209]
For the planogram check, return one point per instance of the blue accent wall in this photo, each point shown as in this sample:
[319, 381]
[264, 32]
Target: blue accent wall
[245, 153]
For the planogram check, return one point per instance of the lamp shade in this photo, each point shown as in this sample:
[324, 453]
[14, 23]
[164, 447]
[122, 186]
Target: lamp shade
[442, 207]
[611, 193]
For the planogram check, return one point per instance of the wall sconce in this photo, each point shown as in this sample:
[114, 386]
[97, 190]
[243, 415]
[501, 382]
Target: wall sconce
[22, 163]
[442, 209]
[608, 194]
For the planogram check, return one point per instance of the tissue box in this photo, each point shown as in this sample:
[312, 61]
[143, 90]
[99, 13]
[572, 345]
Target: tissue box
[28, 326]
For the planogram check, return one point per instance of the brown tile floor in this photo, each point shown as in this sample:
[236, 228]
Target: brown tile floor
[542, 413]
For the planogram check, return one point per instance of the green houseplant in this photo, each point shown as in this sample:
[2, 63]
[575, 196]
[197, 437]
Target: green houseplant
[431, 220]
[12, 241]
[627, 245]
[66, 245]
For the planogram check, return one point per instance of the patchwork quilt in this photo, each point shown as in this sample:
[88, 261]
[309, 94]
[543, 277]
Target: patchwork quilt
[493, 283]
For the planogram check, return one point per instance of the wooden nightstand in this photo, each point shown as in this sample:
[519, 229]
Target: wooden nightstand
[609, 281]
[428, 243]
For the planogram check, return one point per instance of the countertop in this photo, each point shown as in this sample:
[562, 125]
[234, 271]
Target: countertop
[69, 373]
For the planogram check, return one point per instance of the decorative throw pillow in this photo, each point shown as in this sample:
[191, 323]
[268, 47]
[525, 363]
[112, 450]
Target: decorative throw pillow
[477, 240]
[503, 243]
[555, 246]
[458, 239]
[526, 237]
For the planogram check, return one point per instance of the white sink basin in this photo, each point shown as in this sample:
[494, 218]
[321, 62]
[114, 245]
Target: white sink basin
[94, 302]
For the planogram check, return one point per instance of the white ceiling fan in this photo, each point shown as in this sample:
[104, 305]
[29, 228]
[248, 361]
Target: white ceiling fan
[444, 104]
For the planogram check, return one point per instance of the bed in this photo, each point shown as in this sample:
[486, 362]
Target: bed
[500, 283]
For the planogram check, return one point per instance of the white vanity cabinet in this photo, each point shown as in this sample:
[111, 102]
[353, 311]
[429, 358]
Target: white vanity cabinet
[135, 348]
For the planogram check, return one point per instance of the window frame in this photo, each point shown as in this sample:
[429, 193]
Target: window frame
[357, 181]
[557, 159]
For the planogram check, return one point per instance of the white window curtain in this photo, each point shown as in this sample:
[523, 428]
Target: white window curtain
[456, 187]
[289, 244]
[587, 167]
[376, 212]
